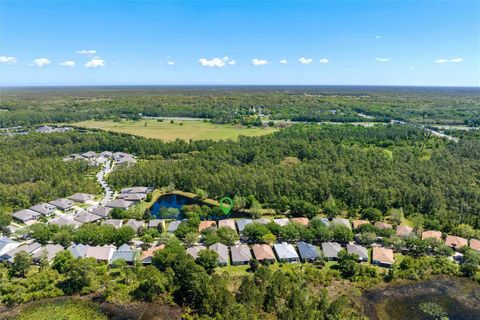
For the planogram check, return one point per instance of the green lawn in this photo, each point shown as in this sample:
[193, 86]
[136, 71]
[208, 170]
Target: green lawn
[185, 130]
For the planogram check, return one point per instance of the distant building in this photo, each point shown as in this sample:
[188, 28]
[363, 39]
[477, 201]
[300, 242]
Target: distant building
[261, 221]
[240, 254]
[62, 204]
[126, 253]
[206, 224]
[456, 242]
[229, 223]
[404, 231]
[222, 252]
[29, 248]
[286, 252]
[45, 209]
[382, 225]
[342, 221]
[242, 223]
[281, 222]
[475, 244]
[154, 223]
[308, 252]
[117, 223]
[194, 251]
[331, 250]
[83, 216]
[135, 224]
[26, 215]
[360, 251]
[100, 253]
[65, 221]
[48, 251]
[78, 250]
[173, 226]
[101, 211]
[6, 245]
[263, 253]
[358, 223]
[382, 257]
[147, 255]
[81, 197]
[302, 221]
[119, 203]
[431, 234]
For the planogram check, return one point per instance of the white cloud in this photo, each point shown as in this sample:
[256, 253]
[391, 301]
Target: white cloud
[324, 61]
[382, 59]
[456, 60]
[41, 62]
[68, 64]
[95, 63]
[171, 63]
[216, 62]
[441, 61]
[303, 60]
[378, 37]
[284, 61]
[87, 52]
[8, 60]
[259, 62]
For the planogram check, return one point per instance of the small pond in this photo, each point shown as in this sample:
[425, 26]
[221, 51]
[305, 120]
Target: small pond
[169, 205]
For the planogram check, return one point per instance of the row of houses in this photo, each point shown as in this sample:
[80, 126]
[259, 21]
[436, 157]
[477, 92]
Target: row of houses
[241, 254]
[94, 158]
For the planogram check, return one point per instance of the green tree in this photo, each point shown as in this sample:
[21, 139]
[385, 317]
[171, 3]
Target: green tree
[62, 261]
[330, 207]
[208, 259]
[21, 264]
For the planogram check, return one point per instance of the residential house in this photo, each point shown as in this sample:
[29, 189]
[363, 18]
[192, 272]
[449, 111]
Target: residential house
[206, 224]
[382, 225]
[331, 250]
[404, 231]
[45, 209]
[261, 221]
[62, 204]
[242, 223]
[83, 216]
[65, 221]
[78, 250]
[29, 248]
[134, 197]
[26, 215]
[431, 234]
[300, 220]
[194, 251]
[6, 245]
[100, 253]
[154, 223]
[456, 242]
[360, 251]
[358, 223]
[382, 257]
[48, 251]
[229, 223]
[173, 226]
[308, 252]
[240, 254]
[286, 252]
[126, 253]
[281, 222]
[263, 253]
[81, 197]
[117, 223]
[147, 255]
[135, 224]
[343, 221]
[222, 252]
[90, 155]
[325, 221]
[475, 244]
[119, 203]
[101, 211]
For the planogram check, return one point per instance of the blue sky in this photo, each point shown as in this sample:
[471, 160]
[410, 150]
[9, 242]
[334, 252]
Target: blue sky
[227, 42]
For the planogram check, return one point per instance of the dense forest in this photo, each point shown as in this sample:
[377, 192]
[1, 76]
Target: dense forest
[238, 104]
[354, 168]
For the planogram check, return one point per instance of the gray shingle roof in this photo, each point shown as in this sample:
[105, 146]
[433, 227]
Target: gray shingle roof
[240, 254]
[85, 217]
[172, 226]
[81, 197]
[119, 203]
[222, 251]
[62, 204]
[78, 250]
[50, 250]
[43, 208]
[307, 251]
[345, 222]
[117, 223]
[135, 224]
[193, 251]
[331, 249]
[285, 251]
[101, 211]
[360, 251]
[242, 223]
[26, 215]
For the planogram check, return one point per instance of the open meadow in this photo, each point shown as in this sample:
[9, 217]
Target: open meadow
[185, 130]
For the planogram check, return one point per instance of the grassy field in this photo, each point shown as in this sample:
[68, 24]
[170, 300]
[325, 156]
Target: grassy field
[186, 130]
[69, 309]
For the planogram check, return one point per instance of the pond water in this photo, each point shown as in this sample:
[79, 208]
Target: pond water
[458, 298]
[170, 201]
